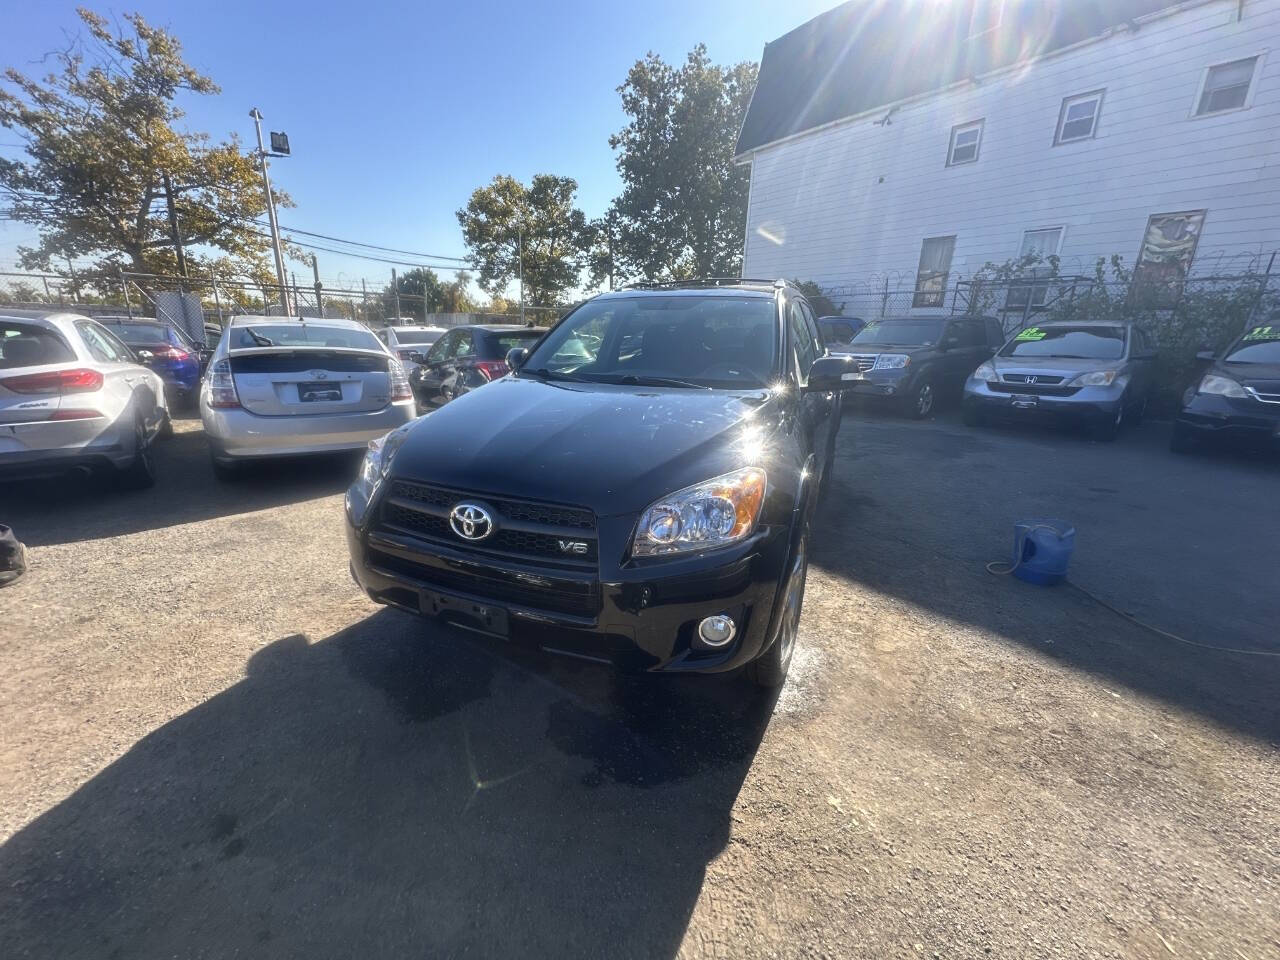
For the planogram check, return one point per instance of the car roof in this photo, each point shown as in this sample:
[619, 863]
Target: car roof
[244, 320]
[753, 288]
[418, 328]
[500, 327]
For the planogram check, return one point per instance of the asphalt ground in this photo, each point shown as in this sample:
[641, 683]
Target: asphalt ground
[212, 745]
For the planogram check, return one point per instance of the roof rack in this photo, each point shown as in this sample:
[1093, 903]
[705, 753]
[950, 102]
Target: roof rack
[709, 282]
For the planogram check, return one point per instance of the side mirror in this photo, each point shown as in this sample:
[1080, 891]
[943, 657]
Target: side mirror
[516, 357]
[832, 373]
[417, 356]
[1206, 355]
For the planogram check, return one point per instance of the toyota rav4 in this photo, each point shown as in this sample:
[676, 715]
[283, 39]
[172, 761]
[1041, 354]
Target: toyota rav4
[638, 491]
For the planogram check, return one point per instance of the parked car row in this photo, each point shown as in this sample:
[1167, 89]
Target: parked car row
[1094, 374]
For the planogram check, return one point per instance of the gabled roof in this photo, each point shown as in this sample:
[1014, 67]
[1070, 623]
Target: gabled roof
[866, 54]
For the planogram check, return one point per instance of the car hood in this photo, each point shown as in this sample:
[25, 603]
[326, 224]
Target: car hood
[614, 449]
[1060, 366]
[1263, 377]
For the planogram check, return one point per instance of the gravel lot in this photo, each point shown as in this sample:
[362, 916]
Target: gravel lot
[211, 745]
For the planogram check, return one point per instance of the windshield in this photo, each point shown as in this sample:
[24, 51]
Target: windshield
[302, 335]
[1070, 343]
[924, 332]
[1259, 345]
[139, 332]
[711, 341]
[418, 336]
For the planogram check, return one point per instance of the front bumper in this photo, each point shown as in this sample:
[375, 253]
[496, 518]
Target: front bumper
[237, 434]
[1085, 404]
[1245, 421]
[880, 384]
[638, 617]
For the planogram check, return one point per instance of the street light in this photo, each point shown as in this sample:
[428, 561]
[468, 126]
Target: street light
[282, 141]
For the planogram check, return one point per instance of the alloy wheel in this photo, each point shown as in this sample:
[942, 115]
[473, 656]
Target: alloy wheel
[924, 399]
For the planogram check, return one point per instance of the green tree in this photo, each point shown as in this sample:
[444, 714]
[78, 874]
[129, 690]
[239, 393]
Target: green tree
[683, 208]
[107, 162]
[505, 215]
[422, 292]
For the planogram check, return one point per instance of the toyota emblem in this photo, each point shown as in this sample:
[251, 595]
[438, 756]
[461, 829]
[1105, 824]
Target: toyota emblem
[319, 375]
[470, 521]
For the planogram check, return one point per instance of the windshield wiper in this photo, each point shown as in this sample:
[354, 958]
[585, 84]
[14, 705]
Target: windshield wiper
[545, 374]
[643, 381]
[258, 338]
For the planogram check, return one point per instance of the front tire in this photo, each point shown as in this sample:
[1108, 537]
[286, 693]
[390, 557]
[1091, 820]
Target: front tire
[921, 400]
[769, 670]
[1108, 430]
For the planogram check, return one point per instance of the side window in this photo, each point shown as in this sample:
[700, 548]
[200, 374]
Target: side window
[803, 346]
[466, 346]
[383, 336]
[811, 322]
[442, 348]
[99, 343]
[1140, 342]
[970, 333]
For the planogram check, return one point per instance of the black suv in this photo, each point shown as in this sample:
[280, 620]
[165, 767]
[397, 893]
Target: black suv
[637, 491]
[913, 361]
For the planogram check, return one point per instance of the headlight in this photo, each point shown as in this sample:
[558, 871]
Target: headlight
[716, 513]
[1098, 378]
[986, 371]
[891, 361]
[1222, 387]
[374, 467]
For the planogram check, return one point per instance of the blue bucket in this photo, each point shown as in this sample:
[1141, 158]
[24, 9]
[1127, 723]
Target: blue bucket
[1042, 550]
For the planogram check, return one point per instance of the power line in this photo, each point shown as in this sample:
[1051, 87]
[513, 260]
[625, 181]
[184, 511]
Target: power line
[370, 246]
[366, 256]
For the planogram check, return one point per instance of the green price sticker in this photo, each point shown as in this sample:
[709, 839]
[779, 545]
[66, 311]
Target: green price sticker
[1263, 333]
[1031, 333]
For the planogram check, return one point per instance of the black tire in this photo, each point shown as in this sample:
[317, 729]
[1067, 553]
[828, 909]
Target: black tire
[972, 416]
[769, 670]
[1139, 413]
[1109, 429]
[1183, 440]
[166, 427]
[226, 472]
[920, 402]
[829, 462]
[140, 474]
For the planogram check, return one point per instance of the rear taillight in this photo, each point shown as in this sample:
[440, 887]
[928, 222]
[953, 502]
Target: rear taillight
[222, 386]
[78, 380]
[400, 389]
[172, 353]
[493, 369]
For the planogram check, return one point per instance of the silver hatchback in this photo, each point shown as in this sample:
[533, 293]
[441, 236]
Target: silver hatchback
[283, 387]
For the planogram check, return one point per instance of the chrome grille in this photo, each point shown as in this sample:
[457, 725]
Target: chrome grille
[1263, 397]
[1031, 378]
[865, 361]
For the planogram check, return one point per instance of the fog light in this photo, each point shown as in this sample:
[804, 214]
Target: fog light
[717, 631]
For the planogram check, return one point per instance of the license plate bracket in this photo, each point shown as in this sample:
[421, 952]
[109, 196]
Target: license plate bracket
[319, 392]
[463, 612]
[1025, 401]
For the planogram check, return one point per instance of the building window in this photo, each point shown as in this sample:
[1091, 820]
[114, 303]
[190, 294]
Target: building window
[965, 140]
[1226, 87]
[1078, 119]
[1164, 261]
[931, 278]
[986, 16]
[1043, 243]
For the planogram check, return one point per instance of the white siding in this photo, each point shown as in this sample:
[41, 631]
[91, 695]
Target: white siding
[853, 201]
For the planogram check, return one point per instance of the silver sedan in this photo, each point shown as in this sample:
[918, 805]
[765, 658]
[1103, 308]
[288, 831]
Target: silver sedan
[285, 386]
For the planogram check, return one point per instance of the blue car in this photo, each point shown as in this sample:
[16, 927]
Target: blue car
[166, 350]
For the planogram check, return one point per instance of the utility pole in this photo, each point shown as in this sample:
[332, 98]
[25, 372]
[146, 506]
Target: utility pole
[315, 270]
[173, 227]
[395, 286]
[364, 300]
[271, 212]
[520, 268]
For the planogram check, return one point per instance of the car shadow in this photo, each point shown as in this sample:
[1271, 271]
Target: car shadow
[396, 790]
[1177, 542]
[71, 508]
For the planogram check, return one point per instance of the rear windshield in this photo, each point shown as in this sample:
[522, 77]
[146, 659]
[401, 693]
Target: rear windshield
[139, 332]
[27, 345]
[418, 336]
[924, 332]
[302, 335]
[1259, 345]
[523, 338]
[1067, 343]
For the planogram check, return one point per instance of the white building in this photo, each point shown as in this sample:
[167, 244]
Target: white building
[916, 140]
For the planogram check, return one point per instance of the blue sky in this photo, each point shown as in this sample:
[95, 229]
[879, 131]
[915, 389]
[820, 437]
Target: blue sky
[397, 111]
